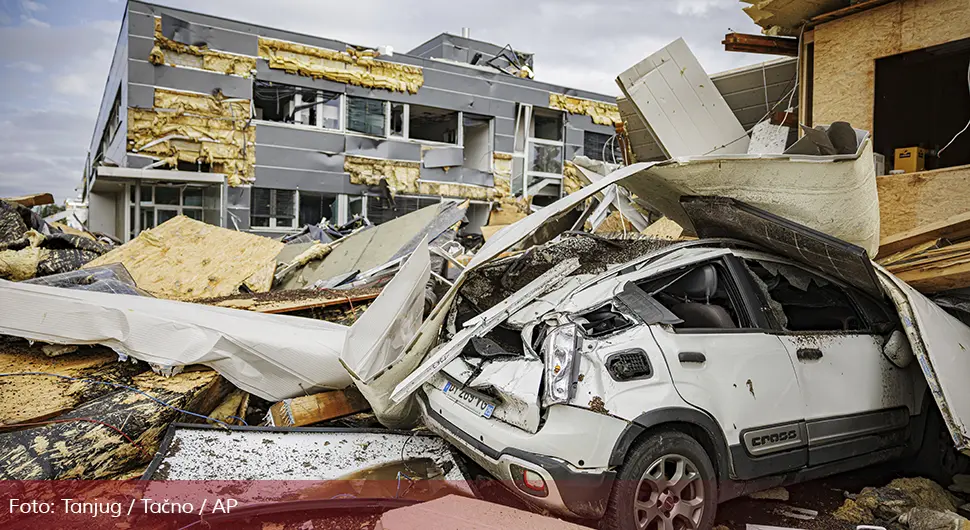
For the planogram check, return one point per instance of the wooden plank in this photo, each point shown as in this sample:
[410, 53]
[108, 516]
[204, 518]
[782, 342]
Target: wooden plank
[307, 410]
[858, 7]
[38, 199]
[911, 201]
[953, 227]
[907, 253]
[938, 279]
[932, 257]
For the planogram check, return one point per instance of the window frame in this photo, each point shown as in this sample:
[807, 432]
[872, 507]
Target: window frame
[273, 226]
[318, 122]
[385, 108]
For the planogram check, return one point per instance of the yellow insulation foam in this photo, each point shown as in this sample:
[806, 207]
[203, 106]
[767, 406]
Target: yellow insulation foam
[196, 128]
[602, 113]
[173, 53]
[351, 67]
[404, 177]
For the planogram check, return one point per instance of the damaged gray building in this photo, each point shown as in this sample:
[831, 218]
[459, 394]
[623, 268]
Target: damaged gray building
[265, 130]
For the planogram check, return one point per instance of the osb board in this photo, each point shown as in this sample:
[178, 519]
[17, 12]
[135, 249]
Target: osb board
[183, 259]
[846, 50]
[912, 200]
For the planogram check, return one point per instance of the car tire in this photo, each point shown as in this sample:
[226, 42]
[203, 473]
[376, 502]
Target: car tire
[645, 495]
[937, 458]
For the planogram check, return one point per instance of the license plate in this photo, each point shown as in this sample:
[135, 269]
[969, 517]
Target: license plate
[469, 400]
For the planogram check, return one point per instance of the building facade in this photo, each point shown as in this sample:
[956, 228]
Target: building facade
[264, 130]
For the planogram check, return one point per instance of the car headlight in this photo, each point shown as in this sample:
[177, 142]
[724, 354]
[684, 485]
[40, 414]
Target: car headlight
[559, 352]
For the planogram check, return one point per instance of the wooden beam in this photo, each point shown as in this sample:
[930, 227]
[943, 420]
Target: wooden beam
[936, 279]
[307, 410]
[953, 227]
[788, 119]
[744, 42]
[858, 7]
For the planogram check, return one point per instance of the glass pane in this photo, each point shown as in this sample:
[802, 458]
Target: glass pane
[313, 208]
[331, 111]
[260, 202]
[165, 215]
[365, 116]
[259, 221]
[192, 197]
[545, 158]
[193, 213]
[547, 127]
[131, 219]
[147, 217]
[131, 193]
[146, 196]
[166, 195]
[284, 206]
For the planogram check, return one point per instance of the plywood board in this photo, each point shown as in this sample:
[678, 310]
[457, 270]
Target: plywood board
[184, 259]
[912, 200]
[679, 104]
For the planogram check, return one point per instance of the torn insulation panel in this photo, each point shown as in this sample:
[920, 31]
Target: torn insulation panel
[352, 66]
[174, 53]
[196, 128]
[404, 177]
[572, 180]
[602, 113]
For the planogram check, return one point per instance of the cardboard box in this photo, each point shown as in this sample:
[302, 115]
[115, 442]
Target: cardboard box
[910, 159]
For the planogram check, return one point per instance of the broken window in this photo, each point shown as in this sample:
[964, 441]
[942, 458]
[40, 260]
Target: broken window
[603, 147]
[293, 104]
[366, 116]
[702, 296]
[477, 142]
[808, 301]
[547, 125]
[398, 118]
[382, 209]
[271, 208]
[315, 207]
[545, 158]
[433, 125]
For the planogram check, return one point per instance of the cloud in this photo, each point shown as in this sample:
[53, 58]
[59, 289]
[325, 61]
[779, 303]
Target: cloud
[34, 22]
[33, 68]
[30, 5]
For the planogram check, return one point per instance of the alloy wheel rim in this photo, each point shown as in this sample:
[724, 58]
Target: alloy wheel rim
[669, 495]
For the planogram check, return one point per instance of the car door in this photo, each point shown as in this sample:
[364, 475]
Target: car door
[735, 369]
[857, 401]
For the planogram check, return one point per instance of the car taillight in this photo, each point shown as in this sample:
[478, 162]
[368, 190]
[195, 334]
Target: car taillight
[529, 481]
[561, 365]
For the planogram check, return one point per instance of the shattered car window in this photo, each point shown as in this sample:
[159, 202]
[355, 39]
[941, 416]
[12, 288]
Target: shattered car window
[702, 296]
[808, 302]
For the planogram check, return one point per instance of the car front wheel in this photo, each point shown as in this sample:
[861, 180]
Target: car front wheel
[666, 483]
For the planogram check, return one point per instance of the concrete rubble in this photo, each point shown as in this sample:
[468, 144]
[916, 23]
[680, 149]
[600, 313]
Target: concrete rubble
[192, 340]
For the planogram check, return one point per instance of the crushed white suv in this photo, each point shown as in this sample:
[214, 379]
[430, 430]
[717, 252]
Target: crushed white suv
[685, 374]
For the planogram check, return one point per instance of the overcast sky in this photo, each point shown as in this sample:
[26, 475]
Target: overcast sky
[55, 54]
